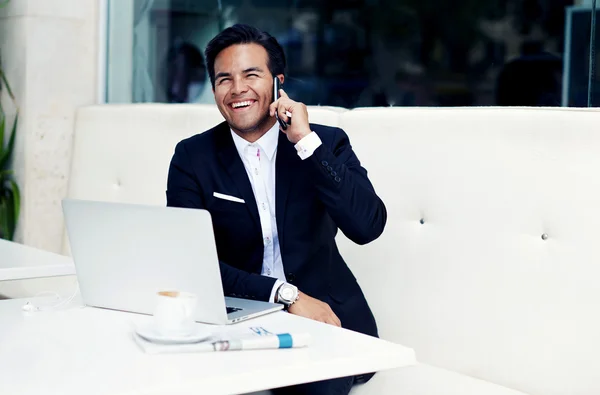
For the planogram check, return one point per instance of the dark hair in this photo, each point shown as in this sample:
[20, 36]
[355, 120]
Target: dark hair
[244, 34]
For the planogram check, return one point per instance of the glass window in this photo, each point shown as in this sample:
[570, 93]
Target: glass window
[594, 63]
[357, 53]
[580, 69]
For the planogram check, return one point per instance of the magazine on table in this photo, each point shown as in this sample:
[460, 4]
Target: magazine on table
[226, 339]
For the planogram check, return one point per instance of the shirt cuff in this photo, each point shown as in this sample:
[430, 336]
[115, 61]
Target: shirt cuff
[274, 290]
[307, 145]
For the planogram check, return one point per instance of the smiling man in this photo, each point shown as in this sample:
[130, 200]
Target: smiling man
[278, 197]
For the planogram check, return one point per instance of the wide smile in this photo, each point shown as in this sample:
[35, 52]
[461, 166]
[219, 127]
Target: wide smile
[241, 106]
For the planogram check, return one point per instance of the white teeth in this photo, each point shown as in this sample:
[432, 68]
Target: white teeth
[241, 104]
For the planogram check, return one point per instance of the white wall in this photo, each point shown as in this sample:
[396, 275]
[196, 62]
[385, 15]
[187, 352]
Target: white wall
[50, 54]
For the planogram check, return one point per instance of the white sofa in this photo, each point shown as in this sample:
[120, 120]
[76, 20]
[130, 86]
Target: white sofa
[490, 262]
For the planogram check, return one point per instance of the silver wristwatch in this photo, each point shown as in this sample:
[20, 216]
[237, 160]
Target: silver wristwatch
[287, 294]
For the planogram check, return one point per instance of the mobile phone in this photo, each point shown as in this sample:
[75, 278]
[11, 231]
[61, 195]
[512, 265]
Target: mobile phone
[276, 87]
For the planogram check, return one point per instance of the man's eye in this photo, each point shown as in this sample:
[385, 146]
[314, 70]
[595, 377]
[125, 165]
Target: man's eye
[222, 80]
[252, 75]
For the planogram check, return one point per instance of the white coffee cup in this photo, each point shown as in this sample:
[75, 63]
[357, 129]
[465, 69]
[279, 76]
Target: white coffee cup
[173, 315]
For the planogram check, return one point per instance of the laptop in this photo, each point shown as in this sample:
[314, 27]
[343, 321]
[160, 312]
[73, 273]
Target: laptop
[124, 254]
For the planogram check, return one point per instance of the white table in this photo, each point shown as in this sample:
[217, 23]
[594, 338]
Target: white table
[85, 350]
[19, 262]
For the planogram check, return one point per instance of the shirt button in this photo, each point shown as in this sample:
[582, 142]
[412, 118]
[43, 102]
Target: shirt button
[264, 207]
[267, 241]
[268, 272]
[256, 171]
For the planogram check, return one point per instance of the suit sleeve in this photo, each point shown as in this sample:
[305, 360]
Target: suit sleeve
[345, 189]
[184, 190]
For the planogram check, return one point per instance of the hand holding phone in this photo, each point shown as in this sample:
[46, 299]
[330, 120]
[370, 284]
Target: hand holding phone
[283, 108]
[276, 87]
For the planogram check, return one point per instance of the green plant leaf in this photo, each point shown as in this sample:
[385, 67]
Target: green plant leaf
[2, 125]
[5, 174]
[5, 82]
[10, 218]
[5, 155]
[3, 218]
[16, 207]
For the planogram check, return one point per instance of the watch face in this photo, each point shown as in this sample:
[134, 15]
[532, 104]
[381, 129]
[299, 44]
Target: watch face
[287, 293]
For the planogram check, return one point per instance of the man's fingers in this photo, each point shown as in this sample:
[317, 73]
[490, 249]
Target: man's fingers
[331, 317]
[337, 321]
[273, 107]
[284, 114]
[333, 320]
[280, 107]
[283, 94]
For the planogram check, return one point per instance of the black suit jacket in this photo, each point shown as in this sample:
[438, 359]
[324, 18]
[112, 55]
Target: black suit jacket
[314, 197]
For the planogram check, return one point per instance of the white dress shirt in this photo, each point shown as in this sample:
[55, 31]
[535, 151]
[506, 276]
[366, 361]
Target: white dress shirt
[259, 161]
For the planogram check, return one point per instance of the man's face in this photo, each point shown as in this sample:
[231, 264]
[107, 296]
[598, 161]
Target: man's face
[244, 87]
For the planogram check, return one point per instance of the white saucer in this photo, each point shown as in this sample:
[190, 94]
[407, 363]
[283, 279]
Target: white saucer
[149, 333]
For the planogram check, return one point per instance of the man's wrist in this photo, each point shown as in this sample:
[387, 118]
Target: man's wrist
[278, 286]
[307, 145]
[287, 294]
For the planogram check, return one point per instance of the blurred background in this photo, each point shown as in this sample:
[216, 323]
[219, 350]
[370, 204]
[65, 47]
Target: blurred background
[358, 53]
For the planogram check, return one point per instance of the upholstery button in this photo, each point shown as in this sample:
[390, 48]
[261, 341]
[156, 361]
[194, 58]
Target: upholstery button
[324, 163]
[544, 236]
[329, 168]
[337, 179]
[422, 221]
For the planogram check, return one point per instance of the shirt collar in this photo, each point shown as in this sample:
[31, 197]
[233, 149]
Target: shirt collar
[267, 143]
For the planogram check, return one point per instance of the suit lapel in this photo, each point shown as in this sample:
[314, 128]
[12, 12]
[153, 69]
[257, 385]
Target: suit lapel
[286, 154]
[230, 159]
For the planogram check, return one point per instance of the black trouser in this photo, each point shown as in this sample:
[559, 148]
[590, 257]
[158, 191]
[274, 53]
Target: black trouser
[339, 386]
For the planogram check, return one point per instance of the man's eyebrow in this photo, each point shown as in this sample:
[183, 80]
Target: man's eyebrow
[222, 74]
[246, 71]
[251, 69]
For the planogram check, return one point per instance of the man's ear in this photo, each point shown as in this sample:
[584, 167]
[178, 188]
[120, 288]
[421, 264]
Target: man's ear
[281, 78]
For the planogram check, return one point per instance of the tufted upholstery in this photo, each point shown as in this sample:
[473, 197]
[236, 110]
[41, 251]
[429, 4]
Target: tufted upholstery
[462, 273]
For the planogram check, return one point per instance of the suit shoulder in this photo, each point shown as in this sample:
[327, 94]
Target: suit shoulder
[324, 129]
[201, 142]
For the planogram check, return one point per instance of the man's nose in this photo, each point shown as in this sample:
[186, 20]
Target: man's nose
[239, 87]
